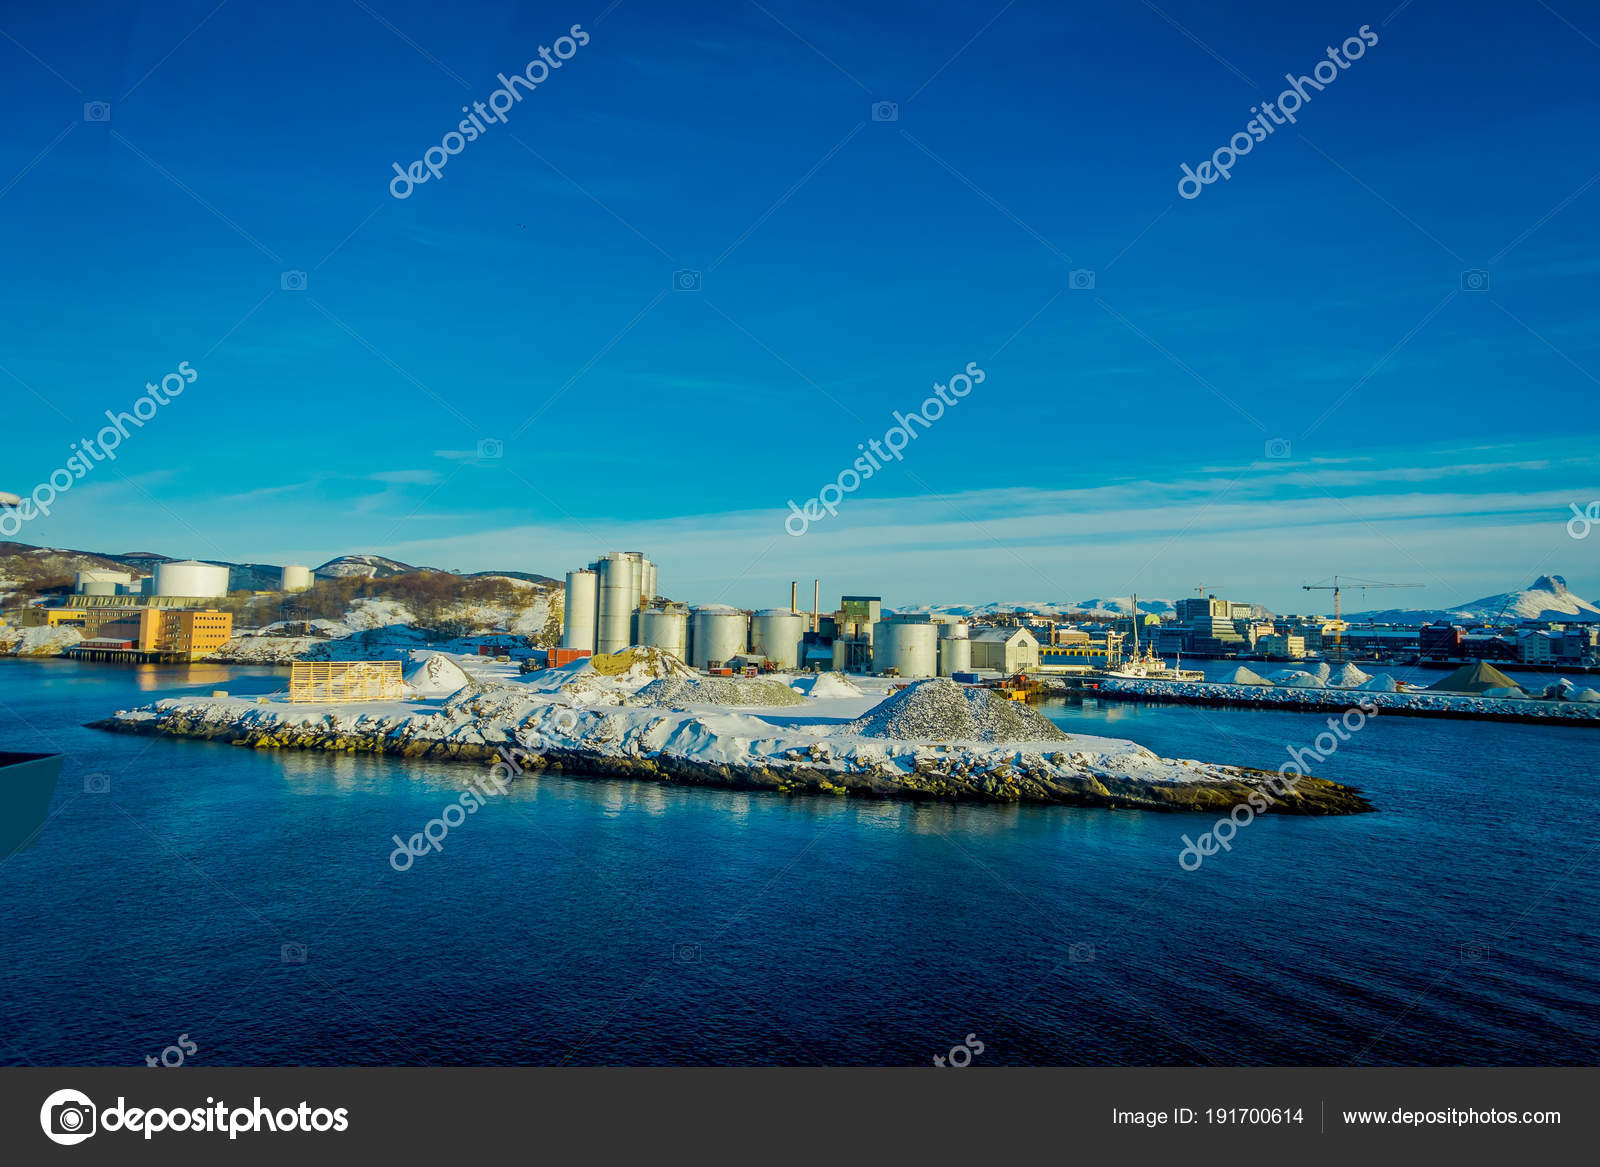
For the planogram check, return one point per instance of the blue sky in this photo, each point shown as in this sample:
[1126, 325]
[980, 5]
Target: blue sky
[1120, 441]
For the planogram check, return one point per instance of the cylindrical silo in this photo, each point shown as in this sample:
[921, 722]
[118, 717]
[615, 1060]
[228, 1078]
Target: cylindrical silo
[191, 578]
[666, 629]
[97, 587]
[720, 634]
[296, 578]
[578, 615]
[97, 575]
[955, 649]
[615, 606]
[648, 591]
[911, 649]
[636, 578]
[776, 634]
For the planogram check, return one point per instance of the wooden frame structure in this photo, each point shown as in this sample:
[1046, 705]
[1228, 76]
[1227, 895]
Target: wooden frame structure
[353, 680]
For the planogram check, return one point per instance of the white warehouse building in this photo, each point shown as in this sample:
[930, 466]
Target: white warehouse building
[1005, 650]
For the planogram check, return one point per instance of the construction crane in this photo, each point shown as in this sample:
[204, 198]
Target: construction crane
[1338, 618]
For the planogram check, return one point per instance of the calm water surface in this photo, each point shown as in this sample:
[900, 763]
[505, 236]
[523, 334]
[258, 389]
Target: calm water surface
[589, 921]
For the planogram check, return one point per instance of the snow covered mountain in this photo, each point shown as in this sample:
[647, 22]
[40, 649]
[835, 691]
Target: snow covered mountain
[1547, 598]
[371, 566]
[1111, 606]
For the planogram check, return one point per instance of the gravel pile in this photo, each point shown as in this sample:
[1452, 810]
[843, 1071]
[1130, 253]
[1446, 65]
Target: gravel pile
[942, 710]
[752, 691]
[1348, 677]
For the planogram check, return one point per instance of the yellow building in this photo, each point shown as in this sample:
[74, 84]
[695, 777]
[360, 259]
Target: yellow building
[183, 634]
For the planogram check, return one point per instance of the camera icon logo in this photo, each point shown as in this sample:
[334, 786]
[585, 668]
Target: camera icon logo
[1475, 280]
[686, 953]
[1081, 280]
[68, 1117]
[97, 783]
[293, 281]
[1080, 953]
[490, 449]
[97, 111]
[1278, 449]
[1474, 952]
[885, 111]
[293, 953]
[686, 281]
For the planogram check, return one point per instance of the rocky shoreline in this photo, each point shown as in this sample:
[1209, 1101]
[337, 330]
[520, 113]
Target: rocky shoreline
[1043, 776]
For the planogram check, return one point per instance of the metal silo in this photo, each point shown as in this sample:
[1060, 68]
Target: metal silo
[95, 575]
[578, 615]
[616, 605]
[912, 649]
[955, 649]
[296, 578]
[720, 634]
[635, 578]
[666, 629]
[649, 589]
[191, 578]
[776, 634]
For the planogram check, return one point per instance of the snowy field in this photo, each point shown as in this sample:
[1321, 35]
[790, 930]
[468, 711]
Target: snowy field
[656, 707]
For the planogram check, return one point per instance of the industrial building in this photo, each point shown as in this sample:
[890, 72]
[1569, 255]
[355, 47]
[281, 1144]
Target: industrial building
[1005, 650]
[157, 634]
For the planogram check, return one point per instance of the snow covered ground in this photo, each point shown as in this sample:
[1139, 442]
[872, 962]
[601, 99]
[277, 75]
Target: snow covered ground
[39, 641]
[1287, 692]
[580, 708]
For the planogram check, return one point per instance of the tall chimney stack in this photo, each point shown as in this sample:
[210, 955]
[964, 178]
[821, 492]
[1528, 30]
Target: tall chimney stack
[816, 596]
[794, 595]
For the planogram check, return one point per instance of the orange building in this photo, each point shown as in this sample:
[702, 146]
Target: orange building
[178, 633]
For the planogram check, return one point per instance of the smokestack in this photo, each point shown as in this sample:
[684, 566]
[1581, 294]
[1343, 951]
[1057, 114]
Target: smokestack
[816, 596]
[794, 595]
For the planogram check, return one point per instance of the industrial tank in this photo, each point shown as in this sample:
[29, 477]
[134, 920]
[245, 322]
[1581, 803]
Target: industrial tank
[649, 589]
[910, 648]
[666, 629]
[296, 578]
[578, 614]
[776, 634]
[720, 634]
[616, 604]
[97, 587]
[955, 649]
[99, 576]
[191, 578]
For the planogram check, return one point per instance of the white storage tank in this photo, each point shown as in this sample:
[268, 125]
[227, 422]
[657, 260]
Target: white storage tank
[616, 603]
[911, 648]
[776, 635]
[666, 629]
[101, 576]
[648, 591]
[579, 612]
[720, 634]
[955, 649]
[296, 578]
[97, 587]
[189, 577]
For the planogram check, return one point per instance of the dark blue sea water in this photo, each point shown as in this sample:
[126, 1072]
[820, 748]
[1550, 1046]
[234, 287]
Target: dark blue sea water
[586, 921]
